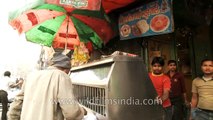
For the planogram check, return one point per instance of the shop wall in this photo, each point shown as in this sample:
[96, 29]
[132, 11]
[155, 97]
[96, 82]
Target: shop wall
[130, 46]
[133, 46]
[200, 47]
[211, 36]
[184, 55]
[203, 46]
[157, 48]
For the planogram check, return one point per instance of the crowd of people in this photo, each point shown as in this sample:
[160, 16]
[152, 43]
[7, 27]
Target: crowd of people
[41, 94]
[8, 90]
[171, 91]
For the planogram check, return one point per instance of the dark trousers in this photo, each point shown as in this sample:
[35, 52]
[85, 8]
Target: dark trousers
[168, 113]
[177, 105]
[203, 114]
[4, 101]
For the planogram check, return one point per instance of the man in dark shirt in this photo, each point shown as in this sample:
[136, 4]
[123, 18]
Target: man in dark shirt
[177, 91]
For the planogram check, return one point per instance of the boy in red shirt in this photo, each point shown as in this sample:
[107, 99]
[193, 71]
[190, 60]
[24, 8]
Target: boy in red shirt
[162, 85]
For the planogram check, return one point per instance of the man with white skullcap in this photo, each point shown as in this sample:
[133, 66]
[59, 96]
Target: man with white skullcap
[48, 95]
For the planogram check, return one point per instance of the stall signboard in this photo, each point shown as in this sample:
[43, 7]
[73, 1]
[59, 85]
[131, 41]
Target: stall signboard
[154, 18]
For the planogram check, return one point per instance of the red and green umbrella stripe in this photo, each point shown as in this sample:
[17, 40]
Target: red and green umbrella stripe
[49, 27]
[51, 7]
[52, 25]
[85, 33]
[98, 14]
[100, 26]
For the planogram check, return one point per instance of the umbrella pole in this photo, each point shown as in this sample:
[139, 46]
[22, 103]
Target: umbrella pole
[67, 33]
[41, 58]
[100, 51]
[66, 42]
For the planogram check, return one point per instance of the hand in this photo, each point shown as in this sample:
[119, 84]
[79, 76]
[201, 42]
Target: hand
[187, 104]
[85, 111]
[159, 100]
[13, 85]
[190, 118]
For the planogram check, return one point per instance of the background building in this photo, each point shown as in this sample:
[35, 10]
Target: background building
[191, 41]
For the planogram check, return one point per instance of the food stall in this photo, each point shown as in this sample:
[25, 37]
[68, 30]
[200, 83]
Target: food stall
[116, 88]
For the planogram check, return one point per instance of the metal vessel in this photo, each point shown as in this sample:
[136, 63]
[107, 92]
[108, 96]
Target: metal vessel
[116, 88]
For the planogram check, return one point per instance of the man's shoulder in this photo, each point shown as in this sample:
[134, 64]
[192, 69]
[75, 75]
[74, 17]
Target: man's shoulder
[197, 80]
[47, 72]
[164, 76]
[166, 79]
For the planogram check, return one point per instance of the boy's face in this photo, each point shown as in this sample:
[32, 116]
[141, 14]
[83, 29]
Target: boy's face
[157, 68]
[172, 67]
[207, 67]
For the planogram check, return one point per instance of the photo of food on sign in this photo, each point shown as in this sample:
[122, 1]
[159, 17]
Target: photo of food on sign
[135, 30]
[142, 26]
[159, 23]
[125, 30]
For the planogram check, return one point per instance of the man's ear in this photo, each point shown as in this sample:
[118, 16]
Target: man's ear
[66, 70]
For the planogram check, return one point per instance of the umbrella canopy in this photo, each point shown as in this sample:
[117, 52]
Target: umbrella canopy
[52, 25]
[108, 5]
[80, 4]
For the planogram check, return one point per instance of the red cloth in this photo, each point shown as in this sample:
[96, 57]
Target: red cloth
[110, 5]
[177, 85]
[160, 83]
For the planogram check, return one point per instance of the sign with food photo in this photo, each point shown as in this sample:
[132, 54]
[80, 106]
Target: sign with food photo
[154, 18]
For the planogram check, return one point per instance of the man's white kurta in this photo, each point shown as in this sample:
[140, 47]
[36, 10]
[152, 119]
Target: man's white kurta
[48, 95]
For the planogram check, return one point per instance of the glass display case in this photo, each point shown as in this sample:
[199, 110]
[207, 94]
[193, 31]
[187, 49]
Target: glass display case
[116, 88]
